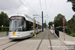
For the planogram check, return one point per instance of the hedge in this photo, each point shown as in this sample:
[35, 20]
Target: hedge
[5, 28]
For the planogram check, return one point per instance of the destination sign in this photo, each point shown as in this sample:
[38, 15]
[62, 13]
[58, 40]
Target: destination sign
[15, 17]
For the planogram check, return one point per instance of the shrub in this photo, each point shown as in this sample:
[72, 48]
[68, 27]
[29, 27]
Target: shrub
[5, 28]
[72, 34]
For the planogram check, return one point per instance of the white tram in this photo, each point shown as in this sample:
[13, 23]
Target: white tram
[21, 26]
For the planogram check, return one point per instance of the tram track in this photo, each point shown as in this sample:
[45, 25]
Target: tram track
[5, 43]
[50, 40]
[45, 36]
[41, 41]
[9, 44]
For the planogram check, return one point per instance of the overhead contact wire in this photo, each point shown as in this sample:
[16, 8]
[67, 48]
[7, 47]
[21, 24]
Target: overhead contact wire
[29, 6]
[26, 6]
[40, 5]
[46, 6]
[50, 6]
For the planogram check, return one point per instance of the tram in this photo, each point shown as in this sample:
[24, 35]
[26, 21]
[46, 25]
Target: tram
[21, 26]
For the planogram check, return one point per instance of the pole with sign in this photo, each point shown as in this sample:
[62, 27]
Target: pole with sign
[34, 28]
[63, 26]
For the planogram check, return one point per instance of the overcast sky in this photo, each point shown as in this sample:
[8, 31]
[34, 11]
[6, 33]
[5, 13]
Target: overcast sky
[30, 7]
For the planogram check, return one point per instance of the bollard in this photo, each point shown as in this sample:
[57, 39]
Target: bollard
[35, 35]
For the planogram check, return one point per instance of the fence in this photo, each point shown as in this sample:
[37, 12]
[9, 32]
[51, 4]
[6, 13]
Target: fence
[57, 32]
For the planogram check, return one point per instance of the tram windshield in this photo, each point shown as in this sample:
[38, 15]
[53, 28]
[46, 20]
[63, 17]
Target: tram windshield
[15, 25]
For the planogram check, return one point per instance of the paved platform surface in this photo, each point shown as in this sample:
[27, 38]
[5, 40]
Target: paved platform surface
[4, 40]
[69, 41]
[45, 45]
[67, 37]
[44, 41]
[63, 35]
[25, 45]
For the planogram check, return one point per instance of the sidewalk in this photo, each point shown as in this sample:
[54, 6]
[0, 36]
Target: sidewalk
[57, 44]
[69, 41]
[67, 37]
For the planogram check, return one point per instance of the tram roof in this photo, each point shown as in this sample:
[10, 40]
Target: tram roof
[28, 18]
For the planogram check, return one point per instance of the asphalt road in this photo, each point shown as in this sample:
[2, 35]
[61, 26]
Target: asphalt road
[3, 34]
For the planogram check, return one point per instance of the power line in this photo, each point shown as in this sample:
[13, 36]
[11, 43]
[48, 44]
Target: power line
[46, 6]
[40, 5]
[50, 6]
[29, 5]
[26, 6]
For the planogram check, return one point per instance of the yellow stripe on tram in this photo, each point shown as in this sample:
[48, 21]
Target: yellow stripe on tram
[14, 33]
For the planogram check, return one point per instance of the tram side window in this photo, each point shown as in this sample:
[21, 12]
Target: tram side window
[39, 27]
[23, 25]
[29, 25]
[36, 26]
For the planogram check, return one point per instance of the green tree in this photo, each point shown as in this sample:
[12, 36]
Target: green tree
[50, 24]
[4, 20]
[73, 4]
[58, 21]
[44, 25]
[7, 20]
[71, 24]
